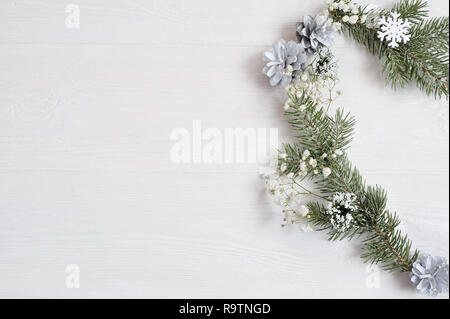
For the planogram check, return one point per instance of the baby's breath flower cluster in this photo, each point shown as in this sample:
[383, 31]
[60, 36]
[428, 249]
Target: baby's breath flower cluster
[316, 84]
[341, 210]
[288, 193]
[346, 11]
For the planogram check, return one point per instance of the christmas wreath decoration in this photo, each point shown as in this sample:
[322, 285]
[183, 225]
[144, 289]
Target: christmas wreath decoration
[412, 49]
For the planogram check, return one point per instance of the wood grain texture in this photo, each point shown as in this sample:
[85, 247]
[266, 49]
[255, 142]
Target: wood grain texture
[85, 176]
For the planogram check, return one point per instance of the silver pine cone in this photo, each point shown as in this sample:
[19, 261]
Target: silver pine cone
[430, 275]
[283, 62]
[315, 33]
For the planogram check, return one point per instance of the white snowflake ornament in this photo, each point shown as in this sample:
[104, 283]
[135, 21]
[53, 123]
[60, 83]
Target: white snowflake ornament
[394, 30]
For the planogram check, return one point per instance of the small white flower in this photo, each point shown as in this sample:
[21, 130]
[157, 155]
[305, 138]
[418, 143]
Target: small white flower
[302, 108]
[337, 26]
[334, 156]
[291, 175]
[303, 167]
[283, 156]
[355, 10]
[289, 70]
[316, 172]
[306, 154]
[313, 162]
[272, 185]
[339, 152]
[363, 19]
[335, 6]
[346, 18]
[304, 77]
[326, 172]
[304, 211]
[283, 168]
[293, 90]
[344, 6]
[353, 19]
[324, 156]
[303, 85]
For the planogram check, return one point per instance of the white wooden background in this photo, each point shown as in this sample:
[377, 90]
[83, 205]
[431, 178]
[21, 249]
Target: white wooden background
[85, 176]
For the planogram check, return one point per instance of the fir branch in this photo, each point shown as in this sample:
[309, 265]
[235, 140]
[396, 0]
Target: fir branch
[423, 60]
[414, 10]
[382, 242]
[315, 130]
[426, 56]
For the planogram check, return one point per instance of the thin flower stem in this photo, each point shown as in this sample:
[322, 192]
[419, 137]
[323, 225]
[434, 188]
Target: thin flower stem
[330, 100]
[308, 192]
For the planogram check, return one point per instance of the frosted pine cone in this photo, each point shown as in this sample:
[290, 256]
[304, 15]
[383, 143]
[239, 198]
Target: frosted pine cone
[430, 275]
[283, 62]
[315, 33]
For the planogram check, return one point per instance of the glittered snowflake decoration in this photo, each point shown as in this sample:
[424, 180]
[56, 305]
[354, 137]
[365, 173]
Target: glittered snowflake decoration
[394, 30]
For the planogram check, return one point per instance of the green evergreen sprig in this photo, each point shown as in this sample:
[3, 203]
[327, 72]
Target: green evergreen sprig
[322, 134]
[423, 60]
